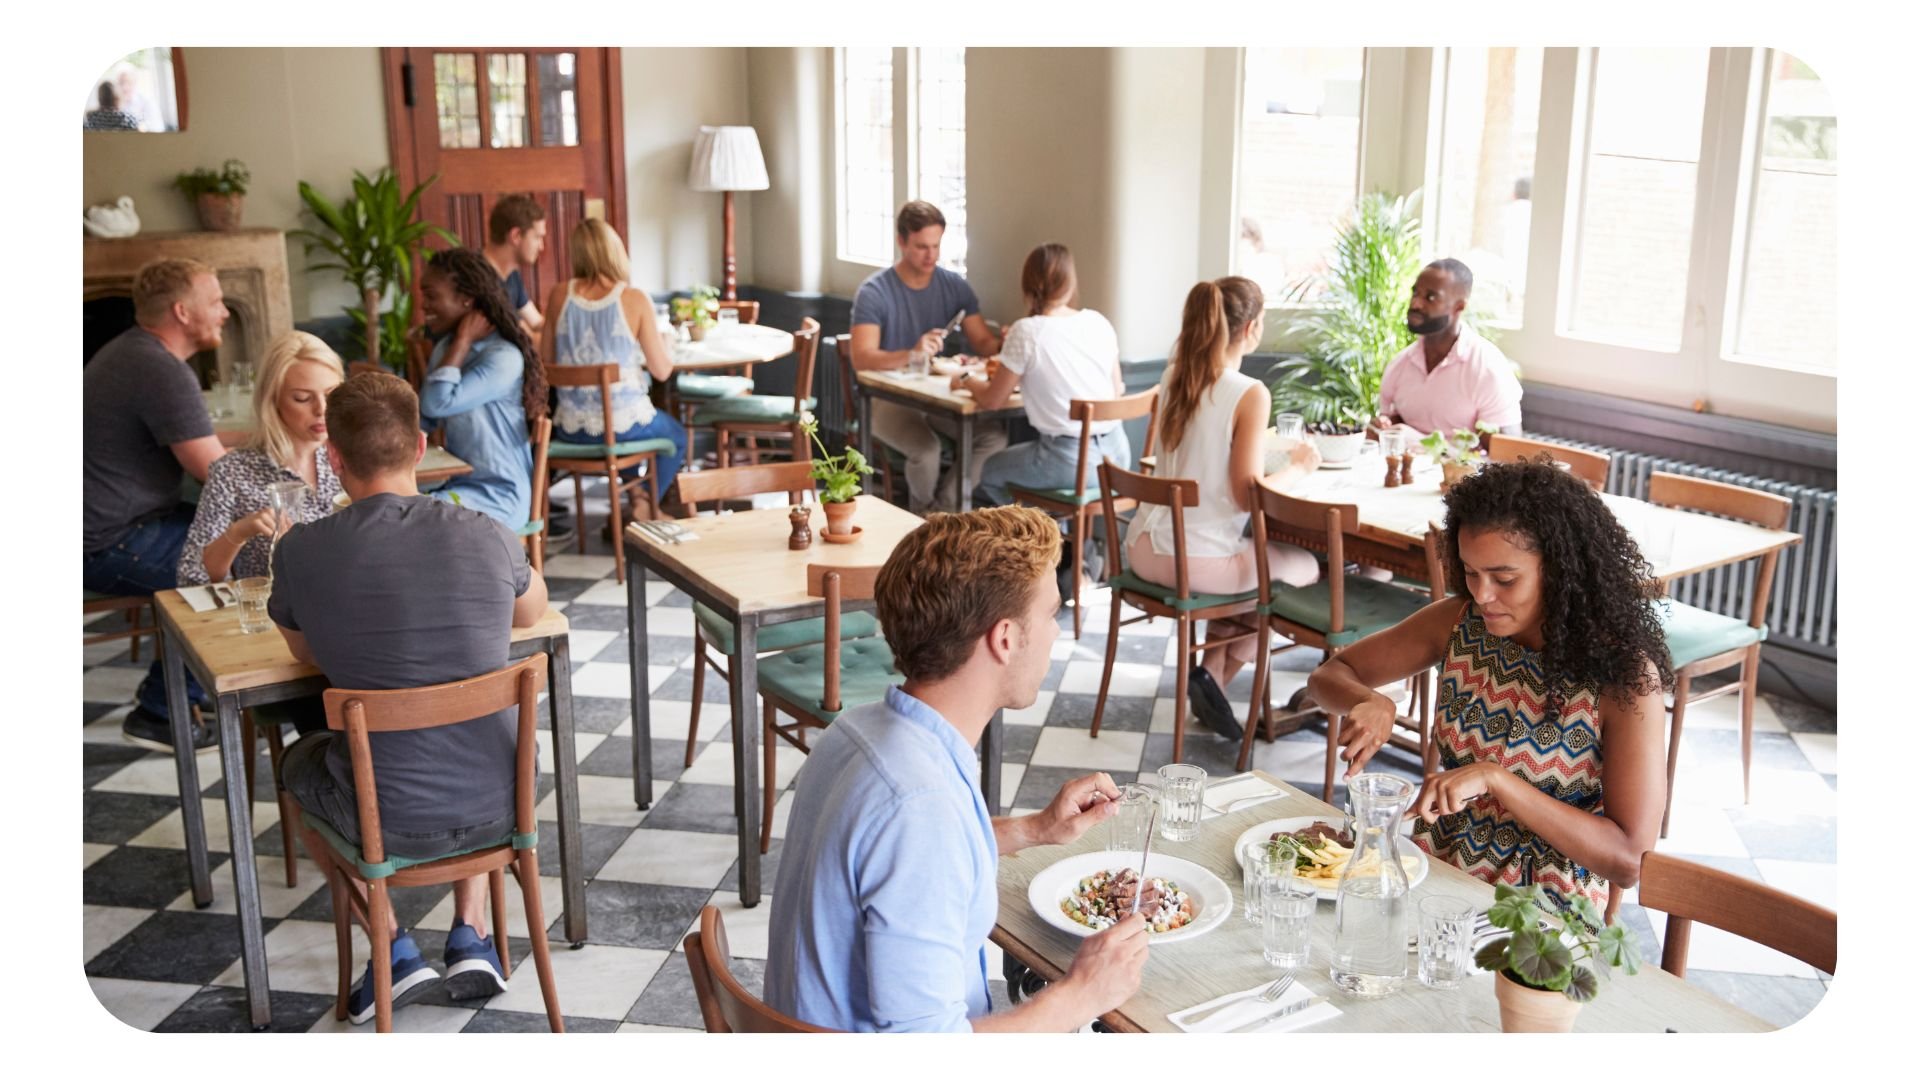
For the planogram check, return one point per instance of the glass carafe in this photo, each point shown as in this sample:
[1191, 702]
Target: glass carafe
[284, 497]
[1370, 916]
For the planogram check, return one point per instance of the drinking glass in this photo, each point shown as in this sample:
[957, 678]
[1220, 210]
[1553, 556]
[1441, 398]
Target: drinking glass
[1259, 861]
[1290, 425]
[1127, 829]
[220, 401]
[1446, 941]
[1287, 905]
[1181, 787]
[919, 363]
[1393, 442]
[252, 593]
[243, 378]
[726, 320]
[663, 318]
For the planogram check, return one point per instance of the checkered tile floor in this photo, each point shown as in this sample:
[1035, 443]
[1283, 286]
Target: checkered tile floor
[157, 963]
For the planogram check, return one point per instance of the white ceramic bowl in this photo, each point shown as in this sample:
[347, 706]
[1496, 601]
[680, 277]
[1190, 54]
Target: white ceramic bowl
[1212, 899]
[1339, 449]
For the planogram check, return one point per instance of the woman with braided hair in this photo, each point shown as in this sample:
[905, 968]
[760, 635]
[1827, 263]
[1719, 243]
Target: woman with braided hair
[484, 384]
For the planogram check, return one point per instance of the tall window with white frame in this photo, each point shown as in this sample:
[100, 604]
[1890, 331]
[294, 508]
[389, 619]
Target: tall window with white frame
[941, 172]
[1299, 165]
[1480, 206]
[866, 202]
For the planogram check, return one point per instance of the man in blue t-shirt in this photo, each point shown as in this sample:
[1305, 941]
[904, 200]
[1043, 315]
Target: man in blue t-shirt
[905, 309]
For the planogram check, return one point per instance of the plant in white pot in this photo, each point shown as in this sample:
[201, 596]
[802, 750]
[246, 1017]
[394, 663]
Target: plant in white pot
[1540, 982]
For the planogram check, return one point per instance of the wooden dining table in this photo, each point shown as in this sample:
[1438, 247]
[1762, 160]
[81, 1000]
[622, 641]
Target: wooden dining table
[1227, 958]
[734, 347]
[739, 565]
[934, 395]
[240, 670]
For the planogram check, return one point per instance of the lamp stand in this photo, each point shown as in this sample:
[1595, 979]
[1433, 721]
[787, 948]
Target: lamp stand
[728, 290]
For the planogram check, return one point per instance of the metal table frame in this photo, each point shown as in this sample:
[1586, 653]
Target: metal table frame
[963, 449]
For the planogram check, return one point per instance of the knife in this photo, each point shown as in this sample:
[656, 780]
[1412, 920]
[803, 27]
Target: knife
[1141, 885]
[1298, 1006]
[214, 591]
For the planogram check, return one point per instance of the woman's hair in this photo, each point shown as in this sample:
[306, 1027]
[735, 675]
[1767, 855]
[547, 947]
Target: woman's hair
[596, 252]
[1047, 276]
[270, 434]
[108, 99]
[1216, 313]
[473, 277]
[1596, 589]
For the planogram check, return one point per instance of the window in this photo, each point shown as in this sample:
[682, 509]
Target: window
[1481, 207]
[559, 110]
[456, 95]
[140, 92]
[507, 95]
[1299, 161]
[867, 202]
[941, 173]
[1638, 184]
[1787, 281]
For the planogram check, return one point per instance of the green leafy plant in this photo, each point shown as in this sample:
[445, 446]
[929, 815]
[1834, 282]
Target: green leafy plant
[841, 473]
[1544, 957]
[231, 179]
[1359, 324]
[699, 308]
[1461, 448]
[372, 239]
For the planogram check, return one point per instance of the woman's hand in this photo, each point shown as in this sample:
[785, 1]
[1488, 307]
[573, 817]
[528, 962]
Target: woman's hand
[1365, 730]
[258, 523]
[1449, 791]
[472, 326]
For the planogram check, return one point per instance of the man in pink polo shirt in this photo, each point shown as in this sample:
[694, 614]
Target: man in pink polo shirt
[1452, 378]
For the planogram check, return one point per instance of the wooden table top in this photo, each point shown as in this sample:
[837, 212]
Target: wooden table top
[1227, 958]
[935, 390]
[743, 559]
[748, 343]
[240, 661]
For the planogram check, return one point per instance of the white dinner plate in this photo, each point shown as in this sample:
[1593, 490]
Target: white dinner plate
[1329, 891]
[1212, 900]
[1347, 464]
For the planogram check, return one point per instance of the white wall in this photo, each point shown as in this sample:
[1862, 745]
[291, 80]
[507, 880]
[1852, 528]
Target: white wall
[674, 234]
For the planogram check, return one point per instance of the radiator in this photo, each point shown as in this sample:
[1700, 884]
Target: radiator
[1800, 611]
[835, 413]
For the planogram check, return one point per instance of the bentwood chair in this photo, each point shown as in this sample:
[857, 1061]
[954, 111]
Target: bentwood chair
[1690, 893]
[713, 644]
[1177, 602]
[694, 387]
[534, 532]
[1076, 504]
[725, 1005]
[886, 455]
[813, 684]
[368, 868]
[608, 459]
[1585, 464]
[757, 416]
[1703, 642]
[138, 611]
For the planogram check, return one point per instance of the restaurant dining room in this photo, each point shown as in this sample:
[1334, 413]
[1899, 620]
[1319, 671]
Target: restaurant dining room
[1289, 537]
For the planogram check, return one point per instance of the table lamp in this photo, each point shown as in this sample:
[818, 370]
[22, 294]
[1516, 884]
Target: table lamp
[727, 159]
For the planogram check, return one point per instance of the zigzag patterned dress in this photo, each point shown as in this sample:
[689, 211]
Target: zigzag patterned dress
[1494, 705]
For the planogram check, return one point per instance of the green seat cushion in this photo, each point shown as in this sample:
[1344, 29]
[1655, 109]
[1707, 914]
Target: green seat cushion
[718, 632]
[595, 451]
[866, 670]
[1371, 606]
[1168, 595]
[370, 871]
[1059, 495]
[1694, 635]
[751, 409]
[693, 385]
[532, 528]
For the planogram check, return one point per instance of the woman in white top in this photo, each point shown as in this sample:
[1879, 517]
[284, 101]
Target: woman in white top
[1213, 424]
[1056, 354]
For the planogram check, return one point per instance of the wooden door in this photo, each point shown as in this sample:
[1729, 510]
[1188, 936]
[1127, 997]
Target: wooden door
[497, 121]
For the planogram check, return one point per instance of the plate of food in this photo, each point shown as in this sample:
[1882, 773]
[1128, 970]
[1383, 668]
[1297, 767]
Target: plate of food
[1084, 894]
[1326, 843]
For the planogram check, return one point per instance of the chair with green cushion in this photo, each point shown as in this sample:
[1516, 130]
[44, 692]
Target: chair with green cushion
[690, 389]
[357, 713]
[1076, 504]
[885, 457]
[1702, 642]
[814, 684]
[758, 416]
[713, 643]
[608, 459]
[1186, 608]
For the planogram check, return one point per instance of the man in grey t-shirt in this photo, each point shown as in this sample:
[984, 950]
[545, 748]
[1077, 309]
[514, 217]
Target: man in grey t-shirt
[400, 590]
[903, 309]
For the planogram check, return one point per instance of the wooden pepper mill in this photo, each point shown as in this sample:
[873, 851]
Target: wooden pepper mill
[1406, 468]
[802, 535]
[1393, 469]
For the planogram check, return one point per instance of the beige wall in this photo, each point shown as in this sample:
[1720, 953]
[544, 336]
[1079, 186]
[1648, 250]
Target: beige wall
[789, 99]
[674, 234]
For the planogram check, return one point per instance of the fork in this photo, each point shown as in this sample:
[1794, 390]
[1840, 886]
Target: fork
[1272, 993]
[652, 528]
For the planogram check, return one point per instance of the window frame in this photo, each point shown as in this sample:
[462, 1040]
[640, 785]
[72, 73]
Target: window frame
[906, 147]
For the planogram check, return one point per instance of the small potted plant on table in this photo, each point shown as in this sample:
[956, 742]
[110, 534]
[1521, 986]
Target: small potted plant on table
[217, 196]
[1540, 984]
[696, 312]
[841, 475]
[1458, 454]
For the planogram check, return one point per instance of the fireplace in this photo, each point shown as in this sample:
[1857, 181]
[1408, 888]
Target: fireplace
[251, 265]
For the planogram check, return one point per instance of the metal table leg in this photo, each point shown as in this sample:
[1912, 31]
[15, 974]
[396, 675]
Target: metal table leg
[566, 790]
[192, 820]
[637, 670]
[745, 695]
[235, 761]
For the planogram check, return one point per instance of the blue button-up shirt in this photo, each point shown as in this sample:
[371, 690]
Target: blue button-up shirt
[486, 424]
[886, 892]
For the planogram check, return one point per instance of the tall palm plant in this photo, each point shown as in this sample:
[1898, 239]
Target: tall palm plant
[372, 239]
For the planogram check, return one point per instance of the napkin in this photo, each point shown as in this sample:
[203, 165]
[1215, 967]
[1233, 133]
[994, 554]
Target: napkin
[200, 597]
[1225, 793]
[1248, 1008]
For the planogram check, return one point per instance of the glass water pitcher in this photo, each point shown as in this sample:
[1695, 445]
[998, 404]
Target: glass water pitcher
[1370, 919]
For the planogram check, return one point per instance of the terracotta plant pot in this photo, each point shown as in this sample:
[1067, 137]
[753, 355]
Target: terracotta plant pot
[696, 332]
[839, 517]
[219, 213]
[1452, 472]
[1522, 1008]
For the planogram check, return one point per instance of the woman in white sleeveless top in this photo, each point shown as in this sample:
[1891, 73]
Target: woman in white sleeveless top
[1213, 423]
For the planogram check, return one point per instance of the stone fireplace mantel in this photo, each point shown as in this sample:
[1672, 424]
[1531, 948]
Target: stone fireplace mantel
[251, 265]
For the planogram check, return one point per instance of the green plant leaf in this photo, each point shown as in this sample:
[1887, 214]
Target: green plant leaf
[1581, 985]
[1616, 947]
[1581, 908]
[1492, 956]
[1540, 959]
[1513, 909]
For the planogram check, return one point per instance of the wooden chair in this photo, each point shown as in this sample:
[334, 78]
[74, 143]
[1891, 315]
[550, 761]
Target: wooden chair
[1585, 464]
[1703, 642]
[1177, 602]
[534, 532]
[608, 459]
[142, 619]
[713, 643]
[749, 309]
[694, 387]
[812, 684]
[764, 415]
[725, 1005]
[358, 712]
[1689, 893]
[843, 354]
[1075, 504]
[289, 810]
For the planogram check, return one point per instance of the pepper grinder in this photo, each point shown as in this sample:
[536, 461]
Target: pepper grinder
[1406, 468]
[802, 535]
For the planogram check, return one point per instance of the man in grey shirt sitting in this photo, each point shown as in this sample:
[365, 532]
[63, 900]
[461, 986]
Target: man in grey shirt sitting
[400, 590]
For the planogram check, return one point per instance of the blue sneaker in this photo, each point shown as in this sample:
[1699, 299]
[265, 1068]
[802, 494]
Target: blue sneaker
[411, 978]
[473, 967]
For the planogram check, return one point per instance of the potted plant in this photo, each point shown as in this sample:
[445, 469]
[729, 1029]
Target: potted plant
[1541, 984]
[1459, 454]
[841, 475]
[1352, 330]
[696, 312]
[217, 196]
[373, 239]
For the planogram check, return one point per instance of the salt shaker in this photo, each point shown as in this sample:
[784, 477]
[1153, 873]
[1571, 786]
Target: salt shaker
[802, 536]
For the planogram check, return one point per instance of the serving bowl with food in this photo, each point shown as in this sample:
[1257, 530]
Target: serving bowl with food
[1085, 894]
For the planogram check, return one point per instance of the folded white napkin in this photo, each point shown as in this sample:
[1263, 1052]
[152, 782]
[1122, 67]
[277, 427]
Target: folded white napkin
[200, 597]
[1247, 1008]
[1244, 790]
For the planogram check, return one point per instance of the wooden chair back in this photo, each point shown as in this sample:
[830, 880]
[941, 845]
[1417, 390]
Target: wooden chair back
[835, 584]
[1585, 464]
[1090, 412]
[744, 481]
[1689, 893]
[843, 359]
[359, 712]
[542, 439]
[725, 1005]
[1325, 524]
[806, 346]
[1436, 549]
[596, 376]
[749, 309]
[1728, 500]
[1118, 484]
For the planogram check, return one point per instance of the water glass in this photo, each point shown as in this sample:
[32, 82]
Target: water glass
[1181, 787]
[1127, 828]
[1446, 941]
[252, 593]
[1287, 905]
[1258, 863]
[242, 372]
[1393, 441]
[1290, 425]
[663, 318]
[919, 363]
[726, 320]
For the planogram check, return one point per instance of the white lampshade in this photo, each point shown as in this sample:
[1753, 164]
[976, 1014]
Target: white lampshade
[727, 159]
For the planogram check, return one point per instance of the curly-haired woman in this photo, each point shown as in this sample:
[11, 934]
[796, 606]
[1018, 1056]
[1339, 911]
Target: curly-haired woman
[1550, 720]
